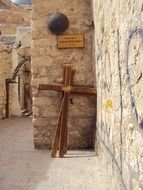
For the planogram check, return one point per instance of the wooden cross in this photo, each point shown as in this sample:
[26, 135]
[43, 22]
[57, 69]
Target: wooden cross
[60, 140]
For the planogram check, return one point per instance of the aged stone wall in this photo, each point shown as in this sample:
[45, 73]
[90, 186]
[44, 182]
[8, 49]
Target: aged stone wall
[47, 67]
[12, 16]
[119, 67]
[23, 35]
[20, 53]
[14, 50]
[5, 72]
[9, 21]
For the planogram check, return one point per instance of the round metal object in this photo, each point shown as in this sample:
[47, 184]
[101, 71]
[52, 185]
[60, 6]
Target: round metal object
[58, 23]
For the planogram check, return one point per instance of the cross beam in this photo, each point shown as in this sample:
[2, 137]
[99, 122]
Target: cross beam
[60, 139]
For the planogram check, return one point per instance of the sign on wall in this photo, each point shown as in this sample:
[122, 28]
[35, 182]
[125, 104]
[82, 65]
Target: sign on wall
[70, 41]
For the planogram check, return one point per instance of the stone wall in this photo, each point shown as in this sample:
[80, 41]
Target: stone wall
[23, 36]
[119, 67]
[5, 72]
[12, 16]
[13, 51]
[47, 68]
[10, 20]
[19, 54]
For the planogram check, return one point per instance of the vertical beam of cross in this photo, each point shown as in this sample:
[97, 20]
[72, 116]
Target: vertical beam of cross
[60, 140]
[64, 124]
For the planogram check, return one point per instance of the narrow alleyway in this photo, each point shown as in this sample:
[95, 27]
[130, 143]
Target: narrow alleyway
[23, 168]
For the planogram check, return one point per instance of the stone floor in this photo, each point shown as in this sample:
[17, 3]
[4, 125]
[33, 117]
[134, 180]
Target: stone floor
[23, 168]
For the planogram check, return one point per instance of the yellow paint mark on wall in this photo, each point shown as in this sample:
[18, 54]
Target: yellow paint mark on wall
[108, 105]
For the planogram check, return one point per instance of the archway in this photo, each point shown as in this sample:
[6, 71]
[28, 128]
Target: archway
[16, 77]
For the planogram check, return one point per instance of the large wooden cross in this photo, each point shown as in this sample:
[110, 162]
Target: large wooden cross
[60, 139]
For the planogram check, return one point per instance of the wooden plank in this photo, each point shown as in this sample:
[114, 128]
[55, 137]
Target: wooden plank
[7, 100]
[66, 127]
[70, 74]
[63, 137]
[83, 90]
[56, 140]
[74, 89]
[53, 87]
[63, 127]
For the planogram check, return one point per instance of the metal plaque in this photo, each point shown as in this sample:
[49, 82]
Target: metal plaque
[70, 41]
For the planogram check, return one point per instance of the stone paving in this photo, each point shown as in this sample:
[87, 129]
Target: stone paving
[23, 168]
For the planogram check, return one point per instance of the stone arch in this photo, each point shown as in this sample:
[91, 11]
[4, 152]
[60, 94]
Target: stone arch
[15, 80]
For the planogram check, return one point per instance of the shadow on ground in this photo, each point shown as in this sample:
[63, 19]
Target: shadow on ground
[23, 168]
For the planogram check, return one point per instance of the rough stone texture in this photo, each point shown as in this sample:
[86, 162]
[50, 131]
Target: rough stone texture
[47, 67]
[8, 39]
[119, 67]
[12, 16]
[23, 35]
[5, 72]
[10, 56]
[20, 51]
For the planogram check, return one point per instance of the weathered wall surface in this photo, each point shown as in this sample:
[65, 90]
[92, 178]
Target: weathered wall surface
[23, 35]
[13, 53]
[10, 20]
[119, 67]
[20, 53]
[12, 16]
[47, 67]
[5, 72]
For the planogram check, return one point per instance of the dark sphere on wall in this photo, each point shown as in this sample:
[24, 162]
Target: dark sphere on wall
[58, 23]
